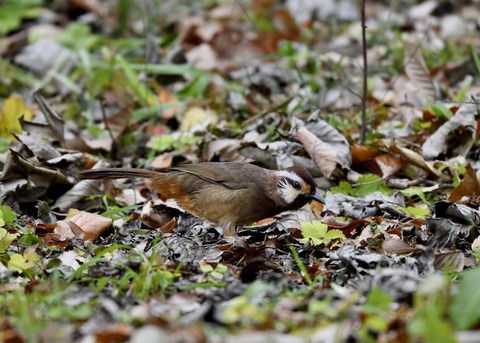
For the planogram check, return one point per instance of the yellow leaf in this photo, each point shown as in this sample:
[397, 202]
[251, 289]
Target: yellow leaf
[17, 262]
[197, 116]
[23, 262]
[13, 109]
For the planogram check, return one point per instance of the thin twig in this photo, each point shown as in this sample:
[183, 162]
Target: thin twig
[365, 73]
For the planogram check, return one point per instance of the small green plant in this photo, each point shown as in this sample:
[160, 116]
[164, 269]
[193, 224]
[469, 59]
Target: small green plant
[466, 302]
[415, 211]
[216, 273]
[13, 12]
[367, 184]
[375, 314]
[250, 308]
[6, 238]
[317, 233]
[429, 323]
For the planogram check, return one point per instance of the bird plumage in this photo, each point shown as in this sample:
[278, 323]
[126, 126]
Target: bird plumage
[229, 194]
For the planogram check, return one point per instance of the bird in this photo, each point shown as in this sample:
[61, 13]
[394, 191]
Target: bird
[227, 194]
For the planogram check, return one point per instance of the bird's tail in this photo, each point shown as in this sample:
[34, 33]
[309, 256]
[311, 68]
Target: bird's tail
[116, 173]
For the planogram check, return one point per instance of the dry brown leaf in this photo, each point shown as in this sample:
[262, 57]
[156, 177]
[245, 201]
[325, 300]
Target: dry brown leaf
[476, 245]
[412, 157]
[165, 97]
[89, 226]
[417, 71]
[230, 12]
[456, 136]
[95, 6]
[116, 332]
[202, 56]
[348, 227]
[322, 153]
[361, 153]
[56, 122]
[388, 165]
[118, 123]
[468, 187]
[225, 148]
[162, 161]
[452, 261]
[397, 247]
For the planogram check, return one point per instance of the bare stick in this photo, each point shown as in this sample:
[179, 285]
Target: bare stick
[365, 73]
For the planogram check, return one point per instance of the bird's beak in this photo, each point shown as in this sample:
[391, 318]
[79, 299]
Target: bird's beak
[316, 197]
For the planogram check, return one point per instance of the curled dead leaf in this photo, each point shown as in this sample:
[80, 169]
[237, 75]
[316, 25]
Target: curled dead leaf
[397, 247]
[322, 153]
[85, 226]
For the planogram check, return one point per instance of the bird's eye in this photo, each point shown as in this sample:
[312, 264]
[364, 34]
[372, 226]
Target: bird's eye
[296, 185]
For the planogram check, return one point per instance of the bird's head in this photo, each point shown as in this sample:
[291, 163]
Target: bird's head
[296, 187]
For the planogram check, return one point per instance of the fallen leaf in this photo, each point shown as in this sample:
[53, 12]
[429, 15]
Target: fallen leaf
[456, 136]
[84, 225]
[468, 187]
[397, 247]
[12, 110]
[417, 71]
[322, 153]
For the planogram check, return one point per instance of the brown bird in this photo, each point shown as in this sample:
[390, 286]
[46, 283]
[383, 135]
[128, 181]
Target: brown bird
[229, 194]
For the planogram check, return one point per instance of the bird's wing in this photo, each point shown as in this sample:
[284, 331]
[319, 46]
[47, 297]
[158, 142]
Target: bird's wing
[228, 174]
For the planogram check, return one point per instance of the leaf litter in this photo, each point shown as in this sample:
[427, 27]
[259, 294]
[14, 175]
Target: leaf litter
[401, 208]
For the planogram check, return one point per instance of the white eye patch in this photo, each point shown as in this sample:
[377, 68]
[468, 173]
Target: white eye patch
[285, 188]
[291, 176]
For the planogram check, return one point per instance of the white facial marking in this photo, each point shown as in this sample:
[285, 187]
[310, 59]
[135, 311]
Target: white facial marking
[287, 192]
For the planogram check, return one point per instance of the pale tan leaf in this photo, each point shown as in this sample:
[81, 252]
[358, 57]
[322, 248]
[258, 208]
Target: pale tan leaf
[388, 165]
[323, 154]
[197, 117]
[397, 247]
[56, 122]
[456, 136]
[468, 187]
[162, 161]
[118, 123]
[411, 157]
[417, 71]
[452, 261]
[84, 225]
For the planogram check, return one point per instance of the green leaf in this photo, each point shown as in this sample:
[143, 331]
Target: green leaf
[439, 109]
[332, 235]
[206, 268]
[428, 325]
[370, 183]
[314, 232]
[221, 268]
[367, 184]
[377, 301]
[415, 211]
[465, 308]
[29, 240]
[476, 58]
[414, 191]
[317, 233]
[23, 262]
[144, 95]
[7, 214]
[162, 143]
[429, 322]
[343, 188]
[13, 12]
[462, 92]
[79, 36]
[197, 87]
[6, 239]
